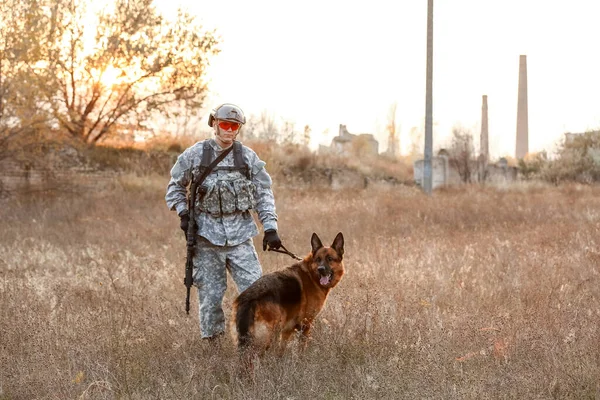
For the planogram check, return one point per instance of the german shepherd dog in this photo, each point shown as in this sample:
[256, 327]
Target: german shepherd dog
[281, 303]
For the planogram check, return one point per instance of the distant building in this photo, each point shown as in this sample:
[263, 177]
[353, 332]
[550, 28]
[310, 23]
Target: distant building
[444, 173]
[347, 143]
[570, 138]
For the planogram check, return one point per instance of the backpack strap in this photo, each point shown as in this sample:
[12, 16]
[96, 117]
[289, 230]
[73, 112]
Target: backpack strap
[207, 154]
[238, 159]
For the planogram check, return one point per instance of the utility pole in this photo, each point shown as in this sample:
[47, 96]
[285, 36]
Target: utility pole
[484, 147]
[427, 170]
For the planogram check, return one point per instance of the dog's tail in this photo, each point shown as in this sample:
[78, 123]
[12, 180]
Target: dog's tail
[244, 319]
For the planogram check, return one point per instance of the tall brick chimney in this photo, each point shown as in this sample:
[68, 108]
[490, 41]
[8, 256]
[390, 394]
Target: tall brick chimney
[522, 143]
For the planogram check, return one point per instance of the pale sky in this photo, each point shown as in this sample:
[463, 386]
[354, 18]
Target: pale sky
[325, 63]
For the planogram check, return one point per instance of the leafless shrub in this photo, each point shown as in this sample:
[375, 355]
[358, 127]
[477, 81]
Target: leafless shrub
[461, 153]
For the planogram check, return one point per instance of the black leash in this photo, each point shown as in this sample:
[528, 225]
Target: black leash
[285, 251]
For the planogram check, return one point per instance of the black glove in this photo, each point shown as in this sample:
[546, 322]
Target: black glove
[184, 222]
[272, 239]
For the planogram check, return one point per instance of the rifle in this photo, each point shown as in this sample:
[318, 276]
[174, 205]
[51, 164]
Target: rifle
[191, 230]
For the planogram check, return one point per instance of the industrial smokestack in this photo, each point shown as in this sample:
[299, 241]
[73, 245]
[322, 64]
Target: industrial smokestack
[522, 143]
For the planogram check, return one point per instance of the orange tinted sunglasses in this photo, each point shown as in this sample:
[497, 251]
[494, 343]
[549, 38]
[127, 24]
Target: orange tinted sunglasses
[226, 125]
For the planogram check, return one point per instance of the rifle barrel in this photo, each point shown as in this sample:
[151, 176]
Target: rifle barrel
[190, 243]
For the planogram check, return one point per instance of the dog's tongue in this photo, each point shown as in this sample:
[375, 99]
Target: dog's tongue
[324, 280]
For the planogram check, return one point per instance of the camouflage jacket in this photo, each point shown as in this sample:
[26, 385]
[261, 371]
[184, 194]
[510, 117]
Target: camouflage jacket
[234, 227]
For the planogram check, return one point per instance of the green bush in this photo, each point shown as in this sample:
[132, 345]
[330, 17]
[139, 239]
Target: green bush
[578, 159]
[532, 165]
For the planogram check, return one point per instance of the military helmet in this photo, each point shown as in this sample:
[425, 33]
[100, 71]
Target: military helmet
[227, 112]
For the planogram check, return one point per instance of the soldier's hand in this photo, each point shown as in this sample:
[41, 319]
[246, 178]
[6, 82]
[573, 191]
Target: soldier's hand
[184, 221]
[272, 239]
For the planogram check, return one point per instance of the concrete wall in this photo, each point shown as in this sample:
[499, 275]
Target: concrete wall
[501, 174]
[440, 172]
[443, 174]
[16, 177]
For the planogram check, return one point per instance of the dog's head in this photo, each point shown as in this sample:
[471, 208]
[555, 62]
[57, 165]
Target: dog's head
[326, 264]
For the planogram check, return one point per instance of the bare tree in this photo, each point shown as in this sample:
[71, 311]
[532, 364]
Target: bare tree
[141, 63]
[250, 129]
[306, 136]
[461, 152]
[288, 132]
[268, 128]
[416, 143]
[392, 130]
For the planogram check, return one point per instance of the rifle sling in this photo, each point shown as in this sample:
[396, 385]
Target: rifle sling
[193, 191]
[212, 165]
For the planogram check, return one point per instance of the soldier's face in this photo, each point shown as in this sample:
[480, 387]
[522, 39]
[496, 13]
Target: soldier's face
[226, 132]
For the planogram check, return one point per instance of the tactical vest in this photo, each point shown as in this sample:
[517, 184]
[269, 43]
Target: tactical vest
[230, 189]
[208, 155]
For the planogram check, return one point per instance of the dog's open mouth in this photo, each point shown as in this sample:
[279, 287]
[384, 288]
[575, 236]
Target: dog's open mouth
[325, 279]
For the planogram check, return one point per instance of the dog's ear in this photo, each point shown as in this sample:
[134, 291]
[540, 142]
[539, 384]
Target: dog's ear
[338, 244]
[315, 242]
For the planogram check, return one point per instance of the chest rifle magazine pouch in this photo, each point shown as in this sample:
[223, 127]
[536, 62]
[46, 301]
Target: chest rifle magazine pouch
[210, 201]
[227, 195]
[245, 192]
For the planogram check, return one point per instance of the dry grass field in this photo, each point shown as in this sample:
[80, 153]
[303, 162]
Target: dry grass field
[470, 294]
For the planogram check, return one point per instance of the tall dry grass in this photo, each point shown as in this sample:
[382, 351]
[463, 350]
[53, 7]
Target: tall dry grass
[472, 293]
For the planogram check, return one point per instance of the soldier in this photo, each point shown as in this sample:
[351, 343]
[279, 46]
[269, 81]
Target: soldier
[238, 184]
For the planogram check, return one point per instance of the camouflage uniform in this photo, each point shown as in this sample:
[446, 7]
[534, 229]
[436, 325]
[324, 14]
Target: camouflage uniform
[225, 225]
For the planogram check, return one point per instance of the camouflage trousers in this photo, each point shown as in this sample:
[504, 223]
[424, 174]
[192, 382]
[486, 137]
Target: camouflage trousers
[211, 264]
